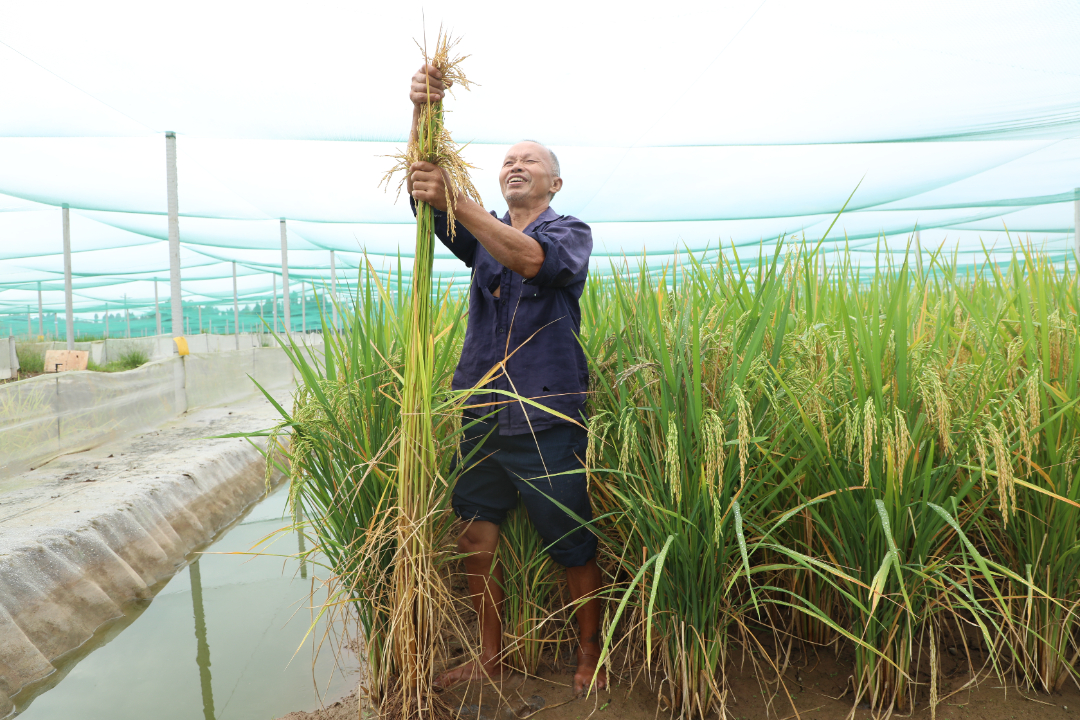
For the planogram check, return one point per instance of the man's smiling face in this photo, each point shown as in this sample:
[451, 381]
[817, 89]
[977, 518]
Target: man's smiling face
[528, 175]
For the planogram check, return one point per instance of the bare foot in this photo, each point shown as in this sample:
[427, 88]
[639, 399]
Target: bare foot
[583, 678]
[469, 672]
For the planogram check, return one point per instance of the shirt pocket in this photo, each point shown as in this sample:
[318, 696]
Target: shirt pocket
[533, 292]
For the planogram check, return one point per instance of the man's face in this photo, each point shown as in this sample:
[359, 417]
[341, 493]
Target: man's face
[527, 176]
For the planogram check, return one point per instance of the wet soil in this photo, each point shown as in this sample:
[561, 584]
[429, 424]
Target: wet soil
[815, 687]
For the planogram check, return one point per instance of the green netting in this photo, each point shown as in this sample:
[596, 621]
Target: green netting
[689, 128]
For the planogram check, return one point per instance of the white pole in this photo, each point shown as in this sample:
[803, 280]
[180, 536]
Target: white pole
[106, 319]
[333, 288]
[285, 277]
[200, 320]
[127, 318]
[174, 235]
[40, 313]
[1076, 221]
[157, 309]
[303, 307]
[275, 302]
[235, 307]
[70, 319]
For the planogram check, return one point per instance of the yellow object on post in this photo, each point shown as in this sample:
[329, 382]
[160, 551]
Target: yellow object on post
[181, 345]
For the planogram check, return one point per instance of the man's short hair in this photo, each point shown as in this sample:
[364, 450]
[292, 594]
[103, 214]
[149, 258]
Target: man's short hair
[554, 160]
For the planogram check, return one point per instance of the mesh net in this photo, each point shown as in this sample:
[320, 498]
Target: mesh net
[690, 129]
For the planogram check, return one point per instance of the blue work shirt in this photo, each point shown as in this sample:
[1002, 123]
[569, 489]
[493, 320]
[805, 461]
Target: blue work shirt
[534, 324]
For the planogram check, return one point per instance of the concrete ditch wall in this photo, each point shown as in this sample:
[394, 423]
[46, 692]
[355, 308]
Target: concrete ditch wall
[161, 347]
[9, 361]
[70, 564]
[45, 416]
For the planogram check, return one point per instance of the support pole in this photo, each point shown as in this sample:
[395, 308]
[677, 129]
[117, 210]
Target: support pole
[157, 309]
[303, 308]
[106, 320]
[235, 307]
[70, 319]
[200, 320]
[1076, 222]
[333, 288]
[127, 318]
[274, 280]
[40, 313]
[285, 277]
[177, 324]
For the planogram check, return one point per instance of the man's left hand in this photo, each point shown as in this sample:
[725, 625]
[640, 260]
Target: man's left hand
[427, 183]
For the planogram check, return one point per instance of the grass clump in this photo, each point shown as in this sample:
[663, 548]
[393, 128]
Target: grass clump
[129, 360]
[31, 358]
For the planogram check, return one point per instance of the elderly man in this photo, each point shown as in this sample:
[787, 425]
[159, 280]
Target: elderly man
[528, 271]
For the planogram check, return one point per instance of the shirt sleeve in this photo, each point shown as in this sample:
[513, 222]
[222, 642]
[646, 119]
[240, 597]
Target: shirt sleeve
[464, 243]
[567, 245]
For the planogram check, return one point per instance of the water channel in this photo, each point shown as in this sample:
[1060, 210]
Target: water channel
[222, 639]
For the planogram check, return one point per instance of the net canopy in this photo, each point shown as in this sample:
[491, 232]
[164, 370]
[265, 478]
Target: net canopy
[682, 127]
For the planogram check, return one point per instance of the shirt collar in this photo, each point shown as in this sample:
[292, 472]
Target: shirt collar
[545, 216]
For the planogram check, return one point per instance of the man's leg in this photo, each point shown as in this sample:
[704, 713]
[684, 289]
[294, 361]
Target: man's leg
[480, 540]
[584, 582]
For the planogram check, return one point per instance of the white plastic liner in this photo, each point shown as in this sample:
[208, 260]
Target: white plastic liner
[45, 416]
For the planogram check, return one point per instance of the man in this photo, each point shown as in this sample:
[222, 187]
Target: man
[529, 269]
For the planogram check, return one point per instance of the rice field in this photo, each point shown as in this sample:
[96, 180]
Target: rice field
[878, 462]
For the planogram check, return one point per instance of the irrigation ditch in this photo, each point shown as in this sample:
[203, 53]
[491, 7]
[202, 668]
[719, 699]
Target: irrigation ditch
[125, 485]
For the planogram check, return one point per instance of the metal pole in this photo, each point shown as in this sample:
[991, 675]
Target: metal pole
[1076, 222]
[127, 318]
[285, 277]
[235, 307]
[303, 307]
[70, 319]
[40, 313]
[275, 302]
[106, 319]
[177, 326]
[157, 309]
[333, 288]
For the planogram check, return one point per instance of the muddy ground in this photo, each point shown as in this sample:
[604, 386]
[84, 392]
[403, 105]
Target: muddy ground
[816, 685]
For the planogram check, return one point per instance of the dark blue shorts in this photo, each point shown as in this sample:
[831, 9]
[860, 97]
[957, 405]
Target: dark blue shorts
[505, 466]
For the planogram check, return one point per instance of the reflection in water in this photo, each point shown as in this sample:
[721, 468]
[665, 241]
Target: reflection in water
[300, 542]
[202, 654]
[246, 604]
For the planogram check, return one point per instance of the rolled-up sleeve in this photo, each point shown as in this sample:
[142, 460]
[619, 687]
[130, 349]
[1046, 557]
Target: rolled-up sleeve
[464, 243]
[567, 244]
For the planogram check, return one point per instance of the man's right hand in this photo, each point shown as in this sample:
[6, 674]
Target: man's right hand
[427, 85]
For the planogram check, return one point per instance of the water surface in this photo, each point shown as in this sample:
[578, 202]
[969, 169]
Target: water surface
[219, 640]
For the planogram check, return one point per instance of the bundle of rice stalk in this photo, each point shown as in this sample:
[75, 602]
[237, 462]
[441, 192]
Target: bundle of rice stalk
[419, 607]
